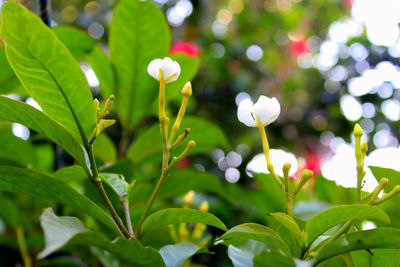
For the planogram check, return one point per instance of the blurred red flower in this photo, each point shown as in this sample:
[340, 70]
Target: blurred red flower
[188, 48]
[313, 163]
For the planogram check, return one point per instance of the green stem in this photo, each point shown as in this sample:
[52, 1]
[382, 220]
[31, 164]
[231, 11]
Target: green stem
[99, 185]
[266, 152]
[23, 248]
[123, 144]
[125, 203]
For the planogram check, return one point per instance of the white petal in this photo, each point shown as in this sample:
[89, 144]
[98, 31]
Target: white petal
[267, 109]
[154, 67]
[278, 157]
[244, 113]
[177, 71]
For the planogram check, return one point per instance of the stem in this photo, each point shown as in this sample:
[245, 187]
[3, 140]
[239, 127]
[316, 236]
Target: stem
[99, 185]
[44, 11]
[125, 203]
[342, 230]
[266, 152]
[179, 118]
[150, 202]
[22, 247]
[359, 167]
[123, 144]
[289, 198]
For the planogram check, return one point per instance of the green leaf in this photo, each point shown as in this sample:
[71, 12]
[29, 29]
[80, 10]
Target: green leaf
[104, 149]
[104, 69]
[189, 67]
[8, 80]
[326, 219]
[16, 111]
[9, 211]
[60, 231]
[178, 215]
[116, 182]
[256, 232]
[139, 33]
[16, 150]
[70, 174]
[289, 223]
[206, 134]
[274, 259]
[376, 238]
[377, 257]
[78, 42]
[242, 255]
[40, 62]
[37, 184]
[392, 175]
[176, 255]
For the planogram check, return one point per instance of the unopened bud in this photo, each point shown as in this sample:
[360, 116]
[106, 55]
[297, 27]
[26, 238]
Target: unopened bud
[188, 199]
[204, 206]
[384, 182]
[358, 130]
[286, 169]
[187, 89]
[364, 147]
[109, 103]
[191, 144]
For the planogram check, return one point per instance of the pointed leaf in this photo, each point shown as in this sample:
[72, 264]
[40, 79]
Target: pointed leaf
[60, 231]
[70, 174]
[289, 223]
[326, 219]
[40, 62]
[139, 33]
[17, 150]
[176, 255]
[178, 215]
[37, 184]
[16, 111]
[274, 259]
[8, 80]
[116, 182]
[256, 232]
[376, 238]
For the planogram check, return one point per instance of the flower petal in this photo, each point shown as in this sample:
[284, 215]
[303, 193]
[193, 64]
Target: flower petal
[267, 109]
[154, 67]
[244, 113]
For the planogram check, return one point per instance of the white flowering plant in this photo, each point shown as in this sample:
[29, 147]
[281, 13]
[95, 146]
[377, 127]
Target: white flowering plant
[136, 205]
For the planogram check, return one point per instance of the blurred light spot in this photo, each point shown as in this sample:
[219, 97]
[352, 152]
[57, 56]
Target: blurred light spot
[240, 97]
[217, 50]
[199, 167]
[358, 52]
[386, 71]
[394, 51]
[338, 32]
[96, 30]
[350, 107]
[177, 14]
[369, 110]
[319, 122]
[224, 16]
[290, 131]
[20, 131]
[234, 159]
[391, 109]
[382, 138]
[362, 66]
[358, 86]
[305, 60]
[338, 73]
[278, 158]
[223, 164]
[387, 157]
[332, 86]
[385, 90]
[283, 5]
[326, 138]
[236, 6]
[30, 101]
[232, 175]
[91, 78]
[367, 225]
[220, 30]
[367, 125]
[281, 38]
[314, 43]
[92, 8]
[217, 154]
[243, 149]
[254, 52]
[69, 13]
[336, 143]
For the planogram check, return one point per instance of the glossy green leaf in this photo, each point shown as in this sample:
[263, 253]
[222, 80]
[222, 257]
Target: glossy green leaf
[189, 67]
[256, 232]
[8, 80]
[16, 150]
[40, 62]
[70, 174]
[16, 111]
[326, 219]
[60, 231]
[392, 175]
[371, 239]
[242, 255]
[104, 69]
[178, 215]
[206, 134]
[289, 223]
[104, 149]
[78, 42]
[9, 211]
[139, 33]
[176, 255]
[116, 182]
[377, 257]
[34, 183]
[274, 259]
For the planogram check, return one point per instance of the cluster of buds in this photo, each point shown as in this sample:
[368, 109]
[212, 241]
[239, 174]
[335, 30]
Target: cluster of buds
[101, 123]
[191, 233]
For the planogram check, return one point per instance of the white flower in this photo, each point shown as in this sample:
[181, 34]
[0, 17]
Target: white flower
[278, 158]
[265, 111]
[170, 69]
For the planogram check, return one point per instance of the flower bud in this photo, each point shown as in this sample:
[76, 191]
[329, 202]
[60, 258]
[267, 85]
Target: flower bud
[286, 168]
[188, 199]
[187, 89]
[364, 147]
[204, 206]
[358, 130]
